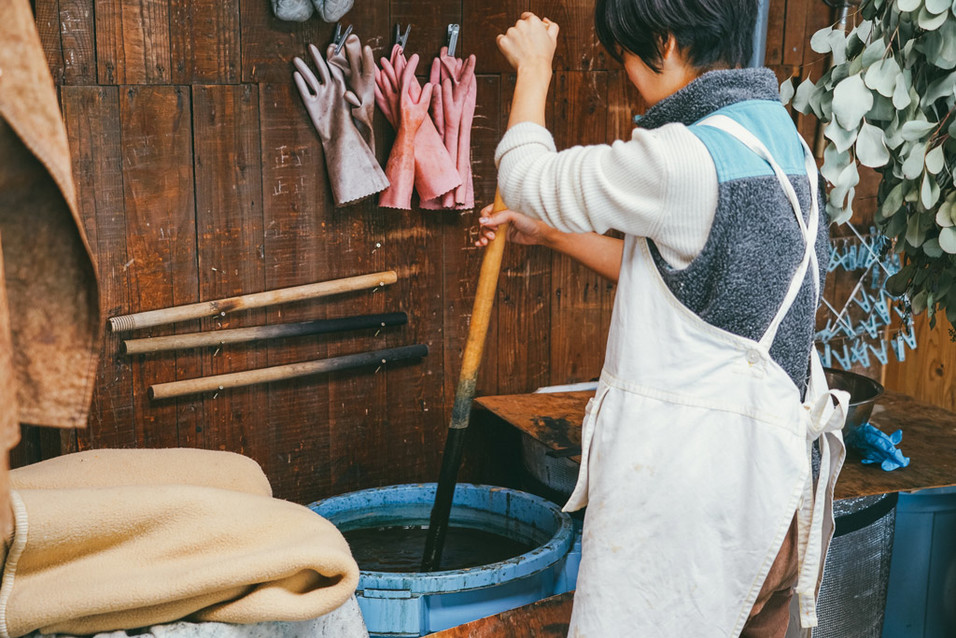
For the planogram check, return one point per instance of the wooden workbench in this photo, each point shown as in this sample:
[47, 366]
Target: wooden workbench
[929, 437]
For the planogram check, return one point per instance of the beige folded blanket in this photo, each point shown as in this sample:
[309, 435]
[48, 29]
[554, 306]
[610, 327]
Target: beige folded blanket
[142, 537]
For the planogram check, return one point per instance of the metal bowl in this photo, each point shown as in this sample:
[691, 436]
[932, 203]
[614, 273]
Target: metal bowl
[864, 392]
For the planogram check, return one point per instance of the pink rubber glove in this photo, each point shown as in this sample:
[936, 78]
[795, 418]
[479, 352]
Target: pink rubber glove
[357, 65]
[435, 172]
[353, 171]
[437, 113]
[455, 109]
[465, 194]
[413, 111]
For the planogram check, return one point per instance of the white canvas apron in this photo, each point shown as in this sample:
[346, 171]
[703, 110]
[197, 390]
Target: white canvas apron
[696, 455]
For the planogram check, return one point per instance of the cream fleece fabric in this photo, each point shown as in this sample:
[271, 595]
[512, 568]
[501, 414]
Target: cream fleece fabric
[143, 537]
[637, 187]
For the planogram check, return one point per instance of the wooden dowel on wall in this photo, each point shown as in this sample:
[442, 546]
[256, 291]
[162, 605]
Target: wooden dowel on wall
[279, 373]
[221, 307]
[243, 335]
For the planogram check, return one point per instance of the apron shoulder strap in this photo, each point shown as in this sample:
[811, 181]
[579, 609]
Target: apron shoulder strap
[808, 230]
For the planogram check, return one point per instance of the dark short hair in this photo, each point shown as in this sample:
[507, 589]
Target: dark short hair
[711, 33]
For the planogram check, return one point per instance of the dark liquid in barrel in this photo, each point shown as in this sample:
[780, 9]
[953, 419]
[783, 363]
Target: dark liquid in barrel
[399, 549]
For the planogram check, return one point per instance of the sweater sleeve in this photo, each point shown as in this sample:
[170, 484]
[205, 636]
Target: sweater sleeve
[660, 184]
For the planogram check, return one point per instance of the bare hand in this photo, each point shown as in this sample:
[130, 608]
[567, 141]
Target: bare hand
[521, 228]
[530, 43]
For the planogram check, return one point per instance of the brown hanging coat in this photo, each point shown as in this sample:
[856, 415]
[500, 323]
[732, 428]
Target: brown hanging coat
[50, 322]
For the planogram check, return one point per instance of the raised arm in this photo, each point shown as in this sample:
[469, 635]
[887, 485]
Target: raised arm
[529, 48]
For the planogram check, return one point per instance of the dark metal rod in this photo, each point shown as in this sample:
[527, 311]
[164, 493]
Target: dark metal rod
[254, 333]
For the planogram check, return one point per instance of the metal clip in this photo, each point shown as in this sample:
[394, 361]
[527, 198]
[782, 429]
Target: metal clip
[452, 39]
[339, 38]
[401, 39]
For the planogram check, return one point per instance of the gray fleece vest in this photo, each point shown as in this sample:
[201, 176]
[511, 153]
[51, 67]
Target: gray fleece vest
[740, 278]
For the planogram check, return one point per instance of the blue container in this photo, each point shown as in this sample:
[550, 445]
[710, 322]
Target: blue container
[921, 597]
[420, 603]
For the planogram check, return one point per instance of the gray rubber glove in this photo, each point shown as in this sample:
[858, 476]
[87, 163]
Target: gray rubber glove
[292, 10]
[332, 10]
[354, 173]
[358, 67]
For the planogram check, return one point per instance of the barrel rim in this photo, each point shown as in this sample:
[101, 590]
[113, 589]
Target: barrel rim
[456, 580]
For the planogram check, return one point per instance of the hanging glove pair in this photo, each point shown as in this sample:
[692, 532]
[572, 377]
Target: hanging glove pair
[341, 103]
[453, 111]
[301, 10]
[439, 145]
[418, 157]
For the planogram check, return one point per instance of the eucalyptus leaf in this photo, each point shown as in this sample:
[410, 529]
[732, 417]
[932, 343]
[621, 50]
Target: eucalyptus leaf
[901, 93]
[932, 248]
[838, 73]
[939, 46]
[851, 101]
[908, 5]
[918, 301]
[937, 6]
[834, 161]
[917, 129]
[892, 134]
[935, 160]
[801, 98]
[870, 148]
[947, 239]
[913, 166]
[839, 215]
[915, 234]
[820, 41]
[894, 227]
[841, 195]
[786, 90]
[938, 88]
[944, 216]
[897, 284]
[873, 52]
[882, 76]
[882, 110]
[837, 40]
[893, 201]
[929, 191]
[930, 21]
[842, 138]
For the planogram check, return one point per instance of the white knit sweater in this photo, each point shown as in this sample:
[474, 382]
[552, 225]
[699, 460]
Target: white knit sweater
[660, 184]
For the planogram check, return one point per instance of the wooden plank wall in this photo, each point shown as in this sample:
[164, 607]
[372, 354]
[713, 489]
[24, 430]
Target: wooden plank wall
[199, 176]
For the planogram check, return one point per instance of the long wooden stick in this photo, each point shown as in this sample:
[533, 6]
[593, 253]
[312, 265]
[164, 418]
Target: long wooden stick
[221, 307]
[465, 393]
[278, 373]
[255, 333]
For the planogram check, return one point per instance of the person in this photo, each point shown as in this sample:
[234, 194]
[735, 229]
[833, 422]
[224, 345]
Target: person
[702, 516]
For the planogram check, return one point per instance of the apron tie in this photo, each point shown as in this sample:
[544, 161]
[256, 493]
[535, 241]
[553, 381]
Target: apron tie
[824, 421]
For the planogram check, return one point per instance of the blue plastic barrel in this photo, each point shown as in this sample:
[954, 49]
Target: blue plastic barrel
[420, 603]
[921, 598]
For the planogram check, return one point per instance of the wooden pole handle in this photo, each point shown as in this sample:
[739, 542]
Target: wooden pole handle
[481, 310]
[465, 393]
[278, 373]
[150, 318]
